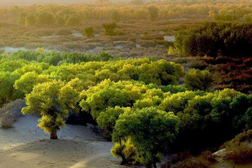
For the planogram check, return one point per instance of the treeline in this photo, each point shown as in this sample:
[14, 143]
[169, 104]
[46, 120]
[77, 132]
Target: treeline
[213, 39]
[24, 67]
[74, 14]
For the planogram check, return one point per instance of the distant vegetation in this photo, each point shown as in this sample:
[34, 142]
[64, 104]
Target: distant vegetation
[213, 39]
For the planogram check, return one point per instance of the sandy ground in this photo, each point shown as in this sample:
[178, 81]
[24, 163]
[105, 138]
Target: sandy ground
[27, 146]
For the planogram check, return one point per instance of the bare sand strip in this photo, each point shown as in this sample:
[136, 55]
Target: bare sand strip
[27, 146]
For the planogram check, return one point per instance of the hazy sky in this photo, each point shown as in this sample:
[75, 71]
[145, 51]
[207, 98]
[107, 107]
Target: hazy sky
[5, 3]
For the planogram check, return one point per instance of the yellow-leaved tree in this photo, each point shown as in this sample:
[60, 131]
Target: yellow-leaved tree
[52, 100]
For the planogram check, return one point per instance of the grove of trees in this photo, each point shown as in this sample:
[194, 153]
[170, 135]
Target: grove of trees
[213, 39]
[136, 102]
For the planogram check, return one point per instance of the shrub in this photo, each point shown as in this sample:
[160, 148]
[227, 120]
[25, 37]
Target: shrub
[88, 31]
[107, 120]
[198, 80]
[152, 132]
[125, 150]
[109, 28]
[204, 160]
[248, 118]
[239, 154]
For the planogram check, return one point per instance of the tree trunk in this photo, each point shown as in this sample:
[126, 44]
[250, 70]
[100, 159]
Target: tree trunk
[124, 160]
[54, 135]
[148, 165]
[155, 165]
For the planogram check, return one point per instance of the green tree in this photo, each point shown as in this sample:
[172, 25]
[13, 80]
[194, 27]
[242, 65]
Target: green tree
[152, 132]
[109, 28]
[198, 80]
[115, 16]
[153, 13]
[248, 118]
[30, 20]
[44, 18]
[88, 31]
[52, 100]
[107, 120]
[73, 20]
[29, 80]
[21, 18]
[60, 21]
[7, 91]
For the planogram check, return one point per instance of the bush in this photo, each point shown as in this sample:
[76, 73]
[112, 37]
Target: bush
[239, 154]
[204, 160]
[107, 120]
[109, 28]
[198, 80]
[248, 118]
[125, 150]
[152, 132]
[89, 32]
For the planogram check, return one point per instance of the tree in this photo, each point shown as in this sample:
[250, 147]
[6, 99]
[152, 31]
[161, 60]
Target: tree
[44, 18]
[152, 131]
[60, 21]
[109, 28]
[198, 80]
[7, 91]
[29, 80]
[73, 20]
[248, 118]
[30, 20]
[107, 120]
[52, 100]
[115, 16]
[88, 31]
[21, 18]
[153, 13]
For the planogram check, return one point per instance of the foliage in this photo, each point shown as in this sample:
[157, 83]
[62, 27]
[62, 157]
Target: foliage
[198, 80]
[125, 150]
[52, 100]
[240, 154]
[109, 28]
[153, 12]
[215, 39]
[89, 32]
[115, 16]
[107, 120]
[152, 132]
[204, 160]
